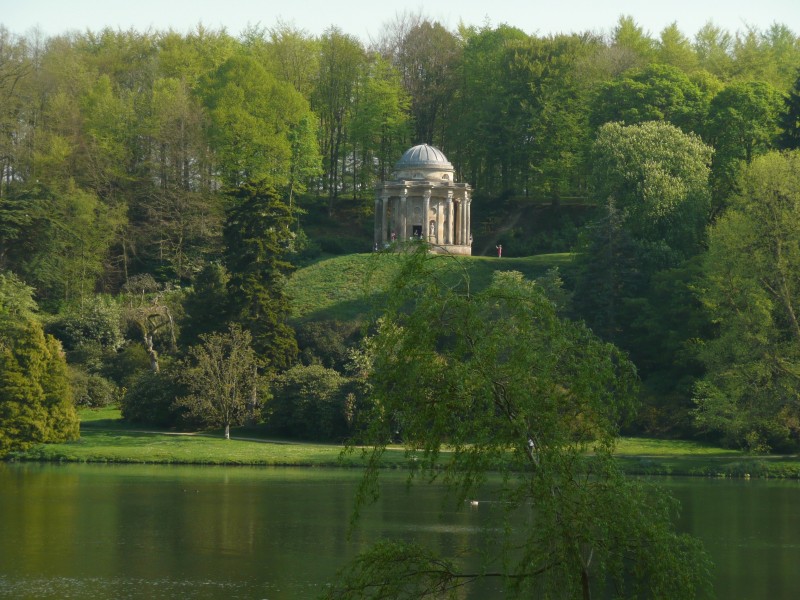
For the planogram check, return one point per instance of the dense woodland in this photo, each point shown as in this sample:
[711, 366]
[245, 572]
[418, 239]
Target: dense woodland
[157, 189]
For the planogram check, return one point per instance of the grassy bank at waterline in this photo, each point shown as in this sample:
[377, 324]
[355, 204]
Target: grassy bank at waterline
[106, 438]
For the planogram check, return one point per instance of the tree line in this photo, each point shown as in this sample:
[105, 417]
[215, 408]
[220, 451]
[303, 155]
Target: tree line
[153, 185]
[120, 143]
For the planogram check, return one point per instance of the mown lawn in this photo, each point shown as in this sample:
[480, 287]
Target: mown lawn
[679, 457]
[629, 446]
[126, 446]
[106, 438]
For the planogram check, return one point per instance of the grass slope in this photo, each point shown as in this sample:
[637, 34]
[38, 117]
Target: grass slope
[351, 286]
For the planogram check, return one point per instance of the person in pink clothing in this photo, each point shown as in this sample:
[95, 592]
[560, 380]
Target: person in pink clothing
[499, 250]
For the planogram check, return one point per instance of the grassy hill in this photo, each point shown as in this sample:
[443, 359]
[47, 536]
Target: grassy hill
[352, 286]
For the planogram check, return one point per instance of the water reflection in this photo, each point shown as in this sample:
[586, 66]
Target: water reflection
[752, 530]
[105, 531]
[147, 532]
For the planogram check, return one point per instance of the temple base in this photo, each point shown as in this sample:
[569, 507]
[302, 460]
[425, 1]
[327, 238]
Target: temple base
[451, 249]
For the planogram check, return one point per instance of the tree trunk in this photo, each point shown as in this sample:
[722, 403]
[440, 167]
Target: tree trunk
[252, 418]
[587, 592]
[151, 352]
[784, 293]
[227, 431]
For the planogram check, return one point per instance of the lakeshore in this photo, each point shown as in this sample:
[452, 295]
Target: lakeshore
[106, 438]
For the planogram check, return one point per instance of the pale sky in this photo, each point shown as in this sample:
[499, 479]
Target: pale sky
[364, 18]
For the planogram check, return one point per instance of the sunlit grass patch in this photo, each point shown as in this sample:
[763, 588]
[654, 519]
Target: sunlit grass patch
[656, 447]
[106, 438]
[351, 286]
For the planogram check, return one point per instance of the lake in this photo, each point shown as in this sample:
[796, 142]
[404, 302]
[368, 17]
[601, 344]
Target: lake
[130, 531]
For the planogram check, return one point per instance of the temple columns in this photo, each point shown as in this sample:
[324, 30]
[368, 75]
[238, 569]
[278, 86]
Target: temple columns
[462, 225]
[445, 217]
[404, 215]
[467, 218]
[384, 218]
[426, 210]
[449, 231]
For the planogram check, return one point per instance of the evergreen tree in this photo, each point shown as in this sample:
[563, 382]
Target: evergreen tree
[35, 395]
[258, 238]
[790, 120]
[206, 306]
[608, 273]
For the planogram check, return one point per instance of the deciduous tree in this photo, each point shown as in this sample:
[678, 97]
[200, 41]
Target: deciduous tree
[380, 125]
[252, 114]
[751, 393]
[675, 49]
[655, 93]
[341, 57]
[742, 123]
[713, 46]
[150, 314]
[657, 176]
[501, 382]
[221, 376]
[490, 128]
[426, 59]
[309, 402]
[652, 181]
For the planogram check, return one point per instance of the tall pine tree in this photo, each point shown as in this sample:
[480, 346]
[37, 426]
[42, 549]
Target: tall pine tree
[258, 238]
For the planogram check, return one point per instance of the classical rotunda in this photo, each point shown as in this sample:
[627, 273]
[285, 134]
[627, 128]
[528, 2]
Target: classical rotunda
[423, 201]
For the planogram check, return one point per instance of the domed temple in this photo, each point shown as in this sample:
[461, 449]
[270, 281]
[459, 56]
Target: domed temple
[423, 201]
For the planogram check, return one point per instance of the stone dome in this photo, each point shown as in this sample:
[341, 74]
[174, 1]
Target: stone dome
[424, 162]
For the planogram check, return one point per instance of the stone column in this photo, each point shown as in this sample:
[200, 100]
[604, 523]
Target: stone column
[463, 223]
[450, 231]
[468, 216]
[457, 222]
[438, 237]
[384, 216]
[426, 209]
[403, 233]
[378, 233]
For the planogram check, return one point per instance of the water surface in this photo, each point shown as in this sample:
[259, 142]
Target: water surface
[130, 531]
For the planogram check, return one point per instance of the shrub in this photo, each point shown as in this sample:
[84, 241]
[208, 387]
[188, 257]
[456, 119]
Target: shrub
[309, 402]
[151, 400]
[98, 321]
[92, 390]
[127, 365]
